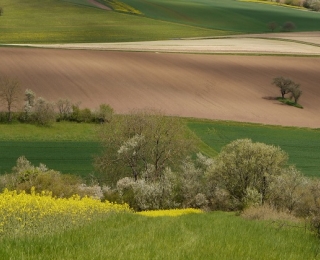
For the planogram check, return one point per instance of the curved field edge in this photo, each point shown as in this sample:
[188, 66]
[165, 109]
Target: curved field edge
[213, 235]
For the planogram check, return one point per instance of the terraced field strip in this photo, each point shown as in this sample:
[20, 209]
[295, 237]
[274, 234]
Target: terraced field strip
[64, 156]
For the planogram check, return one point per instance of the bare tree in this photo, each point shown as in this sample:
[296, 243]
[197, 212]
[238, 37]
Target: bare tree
[272, 26]
[9, 93]
[284, 84]
[288, 26]
[295, 91]
[65, 108]
[140, 141]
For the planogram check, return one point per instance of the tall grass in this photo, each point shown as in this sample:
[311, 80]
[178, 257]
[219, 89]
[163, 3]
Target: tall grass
[215, 235]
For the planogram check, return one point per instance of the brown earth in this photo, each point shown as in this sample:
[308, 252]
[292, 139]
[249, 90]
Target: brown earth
[99, 5]
[228, 87]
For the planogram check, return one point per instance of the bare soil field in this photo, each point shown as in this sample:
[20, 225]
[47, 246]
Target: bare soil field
[227, 87]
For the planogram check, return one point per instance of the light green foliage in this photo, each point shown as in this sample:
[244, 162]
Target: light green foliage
[134, 142]
[43, 112]
[144, 194]
[243, 165]
[25, 176]
[104, 113]
[286, 191]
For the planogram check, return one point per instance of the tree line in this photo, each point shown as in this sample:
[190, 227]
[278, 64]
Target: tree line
[27, 107]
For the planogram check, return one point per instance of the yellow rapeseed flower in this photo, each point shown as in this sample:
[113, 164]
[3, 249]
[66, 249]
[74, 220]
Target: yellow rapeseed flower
[169, 212]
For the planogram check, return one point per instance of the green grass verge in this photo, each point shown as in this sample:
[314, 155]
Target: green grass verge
[289, 102]
[215, 235]
[302, 144]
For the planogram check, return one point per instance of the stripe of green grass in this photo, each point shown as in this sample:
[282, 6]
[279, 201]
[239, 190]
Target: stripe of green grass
[215, 235]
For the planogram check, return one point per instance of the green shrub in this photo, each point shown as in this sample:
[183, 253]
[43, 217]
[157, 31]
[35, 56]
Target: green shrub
[25, 176]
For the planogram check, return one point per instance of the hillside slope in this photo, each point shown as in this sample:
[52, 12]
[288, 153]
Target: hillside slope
[205, 86]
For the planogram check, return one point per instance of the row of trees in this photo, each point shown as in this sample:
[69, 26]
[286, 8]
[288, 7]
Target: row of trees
[288, 86]
[286, 27]
[40, 111]
[313, 5]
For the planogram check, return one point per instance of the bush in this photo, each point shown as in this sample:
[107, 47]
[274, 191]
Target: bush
[43, 112]
[288, 26]
[104, 114]
[25, 176]
[243, 165]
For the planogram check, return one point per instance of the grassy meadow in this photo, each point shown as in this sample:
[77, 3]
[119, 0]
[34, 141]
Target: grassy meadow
[215, 235]
[68, 21]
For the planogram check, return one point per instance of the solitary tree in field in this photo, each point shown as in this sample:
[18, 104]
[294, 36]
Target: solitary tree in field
[295, 91]
[272, 26]
[244, 165]
[139, 142]
[1, 11]
[9, 93]
[288, 26]
[283, 84]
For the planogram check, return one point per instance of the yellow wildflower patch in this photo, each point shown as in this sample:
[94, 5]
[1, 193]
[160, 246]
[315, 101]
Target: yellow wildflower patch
[40, 213]
[119, 6]
[169, 212]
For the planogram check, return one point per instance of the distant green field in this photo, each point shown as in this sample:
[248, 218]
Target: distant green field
[228, 15]
[57, 21]
[66, 147]
[62, 21]
[67, 157]
[302, 144]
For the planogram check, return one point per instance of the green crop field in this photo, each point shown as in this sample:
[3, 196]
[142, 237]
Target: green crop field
[228, 15]
[66, 147]
[215, 235]
[67, 157]
[302, 144]
[62, 21]
[57, 21]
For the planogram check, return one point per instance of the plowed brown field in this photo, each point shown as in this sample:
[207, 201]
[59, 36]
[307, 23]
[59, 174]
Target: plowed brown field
[227, 87]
